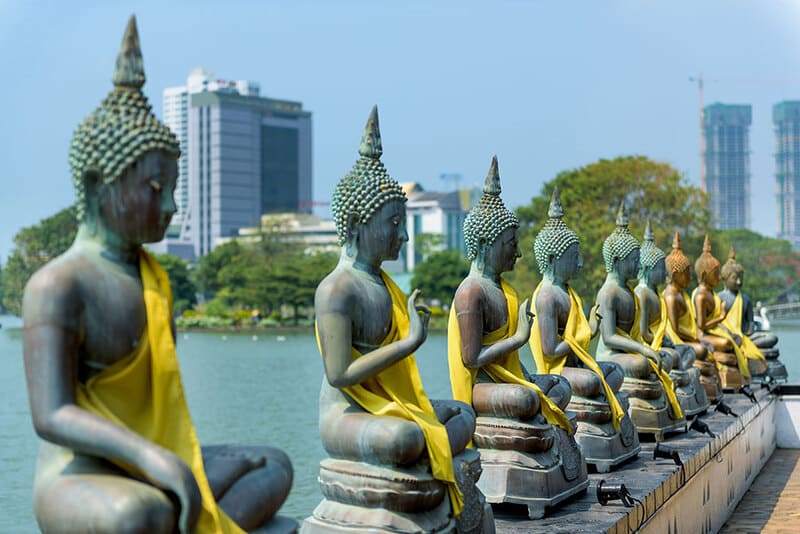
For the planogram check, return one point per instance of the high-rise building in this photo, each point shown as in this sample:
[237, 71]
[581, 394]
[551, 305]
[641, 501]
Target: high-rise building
[726, 128]
[243, 155]
[786, 118]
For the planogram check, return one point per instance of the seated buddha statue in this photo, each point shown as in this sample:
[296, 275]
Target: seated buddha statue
[395, 455]
[521, 429]
[653, 328]
[729, 355]
[119, 451]
[560, 340]
[734, 301]
[682, 325]
[654, 406]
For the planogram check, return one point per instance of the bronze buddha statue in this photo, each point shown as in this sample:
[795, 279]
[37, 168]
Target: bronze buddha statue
[654, 406]
[397, 459]
[728, 353]
[528, 454]
[119, 451]
[560, 340]
[653, 328]
[682, 325]
[739, 307]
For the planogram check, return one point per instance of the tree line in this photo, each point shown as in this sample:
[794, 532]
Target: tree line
[276, 275]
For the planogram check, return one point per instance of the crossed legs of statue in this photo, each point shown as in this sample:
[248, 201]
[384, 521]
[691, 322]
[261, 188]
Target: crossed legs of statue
[72, 491]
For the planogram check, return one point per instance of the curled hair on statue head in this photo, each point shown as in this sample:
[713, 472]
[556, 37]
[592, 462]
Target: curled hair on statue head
[489, 217]
[555, 238]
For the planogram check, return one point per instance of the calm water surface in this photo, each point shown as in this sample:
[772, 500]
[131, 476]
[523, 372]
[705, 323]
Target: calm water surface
[240, 389]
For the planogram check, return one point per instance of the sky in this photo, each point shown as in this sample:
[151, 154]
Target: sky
[546, 86]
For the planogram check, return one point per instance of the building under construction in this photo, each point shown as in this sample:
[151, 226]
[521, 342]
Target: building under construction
[786, 118]
[726, 129]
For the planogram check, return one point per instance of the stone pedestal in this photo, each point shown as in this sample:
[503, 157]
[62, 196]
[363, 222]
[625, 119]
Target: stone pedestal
[710, 380]
[603, 446]
[689, 391]
[362, 497]
[535, 465]
[775, 368]
[731, 378]
[649, 408]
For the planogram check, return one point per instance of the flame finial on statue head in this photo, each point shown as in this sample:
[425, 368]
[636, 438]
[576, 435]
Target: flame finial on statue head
[371, 146]
[489, 217]
[677, 260]
[556, 237]
[130, 66]
[620, 243]
[706, 263]
[650, 254]
[731, 266]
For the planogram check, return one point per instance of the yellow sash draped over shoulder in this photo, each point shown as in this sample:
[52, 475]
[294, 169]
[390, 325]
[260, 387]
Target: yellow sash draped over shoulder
[663, 375]
[577, 335]
[733, 321]
[687, 322]
[661, 326]
[143, 392]
[741, 359]
[397, 392]
[505, 370]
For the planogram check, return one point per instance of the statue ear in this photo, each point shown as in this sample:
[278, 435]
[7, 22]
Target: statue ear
[352, 225]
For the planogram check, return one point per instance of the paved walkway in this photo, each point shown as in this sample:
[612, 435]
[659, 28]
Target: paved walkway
[772, 504]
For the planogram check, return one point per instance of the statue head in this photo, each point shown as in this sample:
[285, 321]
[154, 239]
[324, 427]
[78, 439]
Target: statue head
[652, 260]
[707, 266]
[557, 248]
[491, 231]
[369, 205]
[732, 273]
[123, 159]
[621, 249]
[678, 266]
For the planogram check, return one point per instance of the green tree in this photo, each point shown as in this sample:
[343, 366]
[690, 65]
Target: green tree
[591, 195]
[35, 246]
[427, 243]
[183, 289]
[439, 275]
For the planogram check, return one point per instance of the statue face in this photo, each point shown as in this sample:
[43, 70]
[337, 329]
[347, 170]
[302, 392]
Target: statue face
[384, 234]
[139, 206]
[629, 265]
[658, 274]
[502, 254]
[734, 282]
[568, 264]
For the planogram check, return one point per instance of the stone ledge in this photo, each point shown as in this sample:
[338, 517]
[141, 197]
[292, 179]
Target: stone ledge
[696, 498]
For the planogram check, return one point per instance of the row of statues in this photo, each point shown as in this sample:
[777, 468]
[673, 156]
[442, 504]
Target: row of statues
[119, 452]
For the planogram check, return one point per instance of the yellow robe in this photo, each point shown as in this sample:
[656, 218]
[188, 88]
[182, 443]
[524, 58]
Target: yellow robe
[733, 321]
[636, 335]
[505, 370]
[397, 392]
[687, 322]
[577, 335]
[661, 326]
[741, 358]
[143, 392]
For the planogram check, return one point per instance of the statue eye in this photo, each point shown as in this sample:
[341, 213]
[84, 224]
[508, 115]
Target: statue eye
[157, 187]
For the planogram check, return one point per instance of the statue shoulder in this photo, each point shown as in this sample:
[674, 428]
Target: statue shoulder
[335, 291]
[469, 295]
[55, 293]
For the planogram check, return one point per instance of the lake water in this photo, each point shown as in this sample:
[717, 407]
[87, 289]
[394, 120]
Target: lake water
[240, 389]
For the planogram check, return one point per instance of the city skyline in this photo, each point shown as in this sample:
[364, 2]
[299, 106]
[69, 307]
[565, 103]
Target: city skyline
[546, 87]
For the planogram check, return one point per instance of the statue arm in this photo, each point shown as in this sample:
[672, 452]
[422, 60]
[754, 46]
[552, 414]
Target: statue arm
[644, 322]
[469, 314]
[335, 329]
[52, 338]
[673, 316]
[618, 342]
[748, 326]
[547, 323]
[704, 307]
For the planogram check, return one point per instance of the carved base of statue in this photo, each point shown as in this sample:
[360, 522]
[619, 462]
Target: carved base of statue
[690, 391]
[758, 369]
[360, 496]
[686, 379]
[649, 406]
[602, 445]
[710, 380]
[533, 464]
[730, 377]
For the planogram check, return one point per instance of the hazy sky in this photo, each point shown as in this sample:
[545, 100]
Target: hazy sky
[547, 86]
